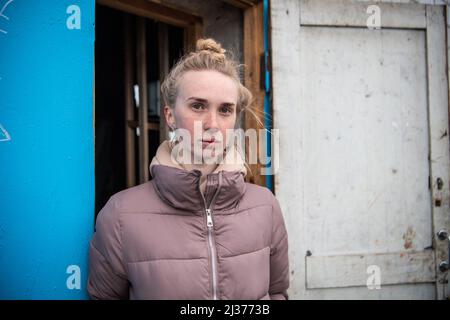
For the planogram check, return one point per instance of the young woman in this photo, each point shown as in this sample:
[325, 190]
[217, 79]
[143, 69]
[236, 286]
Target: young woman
[197, 230]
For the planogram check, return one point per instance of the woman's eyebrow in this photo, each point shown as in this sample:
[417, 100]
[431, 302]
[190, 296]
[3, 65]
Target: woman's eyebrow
[197, 99]
[206, 101]
[228, 104]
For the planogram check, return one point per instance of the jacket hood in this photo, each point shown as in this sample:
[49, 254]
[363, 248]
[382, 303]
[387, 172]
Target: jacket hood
[182, 188]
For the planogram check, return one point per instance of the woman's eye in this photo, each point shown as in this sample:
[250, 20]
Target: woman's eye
[226, 110]
[198, 106]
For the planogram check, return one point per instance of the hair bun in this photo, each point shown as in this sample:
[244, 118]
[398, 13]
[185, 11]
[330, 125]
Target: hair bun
[211, 46]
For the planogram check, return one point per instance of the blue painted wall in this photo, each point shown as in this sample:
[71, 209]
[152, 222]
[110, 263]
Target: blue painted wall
[46, 147]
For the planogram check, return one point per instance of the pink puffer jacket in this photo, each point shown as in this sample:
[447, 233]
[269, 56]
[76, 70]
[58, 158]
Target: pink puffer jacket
[165, 239]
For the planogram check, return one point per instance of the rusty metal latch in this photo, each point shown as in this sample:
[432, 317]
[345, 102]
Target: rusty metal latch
[439, 183]
[443, 235]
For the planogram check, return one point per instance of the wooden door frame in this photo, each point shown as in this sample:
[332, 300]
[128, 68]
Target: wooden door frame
[192, 24]
[253, 49]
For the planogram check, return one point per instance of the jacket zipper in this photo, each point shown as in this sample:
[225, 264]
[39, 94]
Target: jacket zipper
[211, 243]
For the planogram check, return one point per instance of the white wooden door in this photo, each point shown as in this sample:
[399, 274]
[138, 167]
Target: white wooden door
[364, 147]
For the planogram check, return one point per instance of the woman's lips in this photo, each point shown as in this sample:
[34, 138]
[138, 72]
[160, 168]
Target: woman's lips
[212, 139]
[209, 141]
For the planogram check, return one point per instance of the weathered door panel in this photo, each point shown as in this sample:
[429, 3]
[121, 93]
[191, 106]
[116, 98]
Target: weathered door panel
[372, 108]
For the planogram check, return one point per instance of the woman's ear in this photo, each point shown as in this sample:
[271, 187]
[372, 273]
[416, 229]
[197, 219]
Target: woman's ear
[170, 118]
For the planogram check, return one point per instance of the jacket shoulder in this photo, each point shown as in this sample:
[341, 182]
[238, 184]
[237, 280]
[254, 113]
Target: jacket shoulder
[256, 195]
[139, 198]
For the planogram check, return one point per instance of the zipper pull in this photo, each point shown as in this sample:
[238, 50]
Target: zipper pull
[209, 221]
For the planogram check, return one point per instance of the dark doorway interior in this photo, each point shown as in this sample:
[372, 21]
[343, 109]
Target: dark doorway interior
[112, 122]
[109, 105]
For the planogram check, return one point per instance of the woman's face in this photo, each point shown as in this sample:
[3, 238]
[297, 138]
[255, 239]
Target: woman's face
[205, 107]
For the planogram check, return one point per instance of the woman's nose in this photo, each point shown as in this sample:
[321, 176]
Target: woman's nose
[211, 121]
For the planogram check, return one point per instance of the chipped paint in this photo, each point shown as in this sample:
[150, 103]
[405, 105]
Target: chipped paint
[408, 238]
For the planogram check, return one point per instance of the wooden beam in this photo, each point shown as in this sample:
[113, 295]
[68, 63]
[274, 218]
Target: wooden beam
[151, 126]
[439, 147]
[154, 11]
[163, 41]
[253, 49]
[129, 105]
[191, 35]
[243, 4]
[143, 99]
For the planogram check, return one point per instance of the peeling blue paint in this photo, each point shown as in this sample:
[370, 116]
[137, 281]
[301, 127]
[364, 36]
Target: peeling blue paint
[47, 165]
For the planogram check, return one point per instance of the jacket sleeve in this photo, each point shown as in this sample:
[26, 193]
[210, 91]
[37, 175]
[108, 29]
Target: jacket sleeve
[279, 260]
[107, 277]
